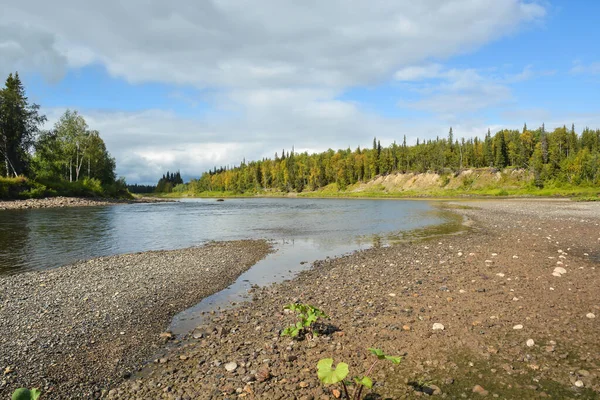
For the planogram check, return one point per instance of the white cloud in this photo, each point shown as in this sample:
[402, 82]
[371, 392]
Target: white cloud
[26, 48]
[418, 73]
[232, 43]
[587, 69]
[453, 92]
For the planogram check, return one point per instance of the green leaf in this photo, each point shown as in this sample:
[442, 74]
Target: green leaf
[394, 359]
[379, 353]
[364, 381]
[382, 356]
[25, 394]
[329, 375]
[287, 331]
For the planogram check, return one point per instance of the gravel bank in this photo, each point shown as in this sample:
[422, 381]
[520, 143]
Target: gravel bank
[73, 330]
[60, 202]
[513, 327]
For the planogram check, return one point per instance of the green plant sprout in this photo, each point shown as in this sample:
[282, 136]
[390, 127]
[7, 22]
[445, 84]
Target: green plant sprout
[26, 394]
[329, 375]
[307, 317]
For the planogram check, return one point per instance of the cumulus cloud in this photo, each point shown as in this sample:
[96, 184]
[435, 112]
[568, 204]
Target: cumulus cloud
[27, 48]
[236, 43]
[273, 69]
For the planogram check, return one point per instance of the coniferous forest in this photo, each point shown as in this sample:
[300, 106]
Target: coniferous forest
[559, 156]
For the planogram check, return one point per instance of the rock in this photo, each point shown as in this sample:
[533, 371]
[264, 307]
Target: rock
[518, 327]
[231, 366]
[590, 315]
[436, 390]
[406, 327]
[559, 270]
[480, 390]
[579, 383]
[530, 343]
[263, 374]
[438, 327]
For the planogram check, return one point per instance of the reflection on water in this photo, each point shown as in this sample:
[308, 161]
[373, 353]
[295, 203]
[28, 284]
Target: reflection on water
[45, 238]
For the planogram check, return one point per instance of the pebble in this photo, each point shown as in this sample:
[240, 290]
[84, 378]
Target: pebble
[579, 383]
[438, 327]
[530, 343]
[517, 327]
[480, 390]
[590, 315]
[231, 366]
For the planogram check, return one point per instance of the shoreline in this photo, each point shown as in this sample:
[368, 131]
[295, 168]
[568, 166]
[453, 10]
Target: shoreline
[492, 288]
[63, 202]
[72, 331]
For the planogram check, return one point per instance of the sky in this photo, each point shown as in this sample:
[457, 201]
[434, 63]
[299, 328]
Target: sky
[187, 85]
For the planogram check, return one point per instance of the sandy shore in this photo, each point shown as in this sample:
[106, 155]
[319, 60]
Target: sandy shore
[75, 330]
[60, 202]
[512, 328]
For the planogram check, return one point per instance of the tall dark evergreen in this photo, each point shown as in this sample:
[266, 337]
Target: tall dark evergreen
[501, 151]
[19, 123]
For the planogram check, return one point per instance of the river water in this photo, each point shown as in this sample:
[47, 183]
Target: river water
[302, 231]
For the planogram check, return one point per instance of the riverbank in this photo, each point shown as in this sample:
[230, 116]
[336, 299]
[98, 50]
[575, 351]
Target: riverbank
[514, 326]
[74, 330]
[61, 202]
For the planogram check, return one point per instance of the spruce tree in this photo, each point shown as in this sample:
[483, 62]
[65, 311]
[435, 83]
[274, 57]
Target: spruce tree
[501, 151]
[19, 124]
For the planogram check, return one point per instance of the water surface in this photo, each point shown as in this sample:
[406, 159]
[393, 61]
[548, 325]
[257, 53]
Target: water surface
[315, 228]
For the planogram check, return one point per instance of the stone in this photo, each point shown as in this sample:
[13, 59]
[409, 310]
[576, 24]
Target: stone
[438, 327]
[518, 327]
[436, 391]
[590, 315]
[530, 343]
[579, 383]
[560, 270]
[480, 390]
[166, 335]
[231, 366]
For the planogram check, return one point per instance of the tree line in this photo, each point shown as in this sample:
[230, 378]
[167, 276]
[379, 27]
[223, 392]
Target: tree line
[168, 182]
[560, 155]
[68, 159]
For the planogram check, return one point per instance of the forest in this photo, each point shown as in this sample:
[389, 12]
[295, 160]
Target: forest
[559, 156]
[70, 159]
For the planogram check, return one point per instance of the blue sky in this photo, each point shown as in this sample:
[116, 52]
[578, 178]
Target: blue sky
[190, 85]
